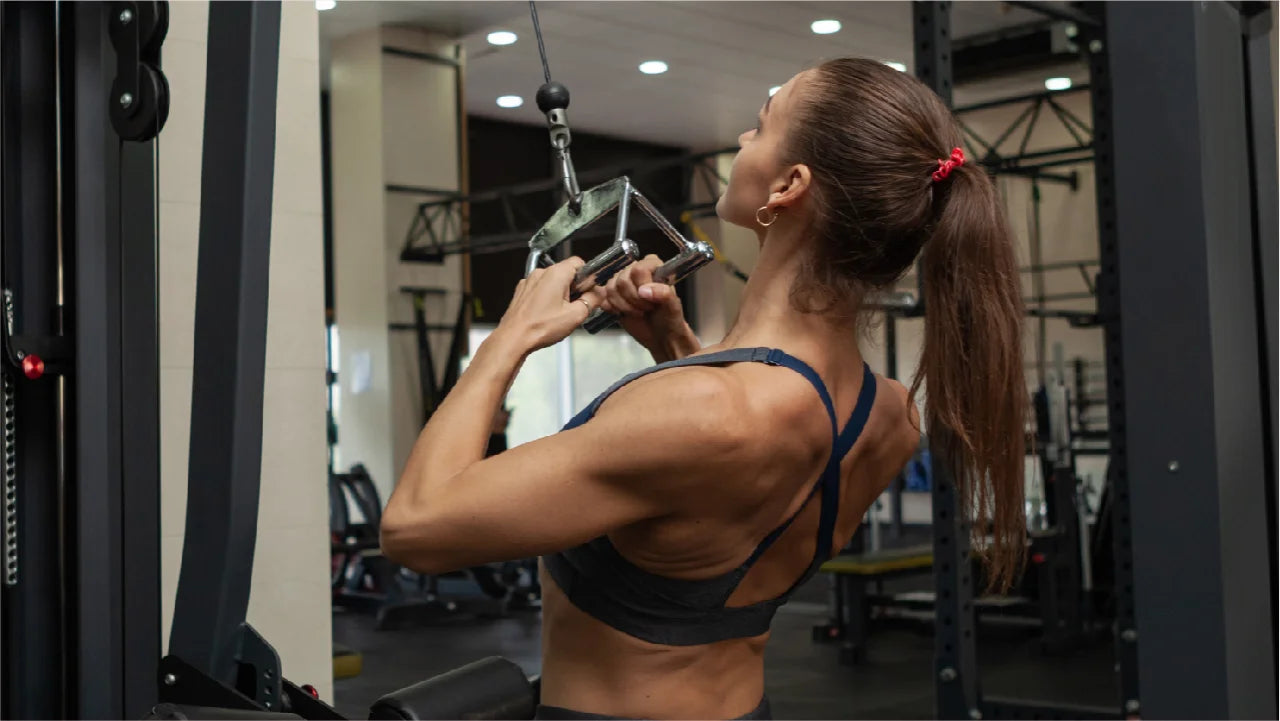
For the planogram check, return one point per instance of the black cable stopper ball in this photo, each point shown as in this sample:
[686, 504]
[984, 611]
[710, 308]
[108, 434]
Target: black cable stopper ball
[553, 96]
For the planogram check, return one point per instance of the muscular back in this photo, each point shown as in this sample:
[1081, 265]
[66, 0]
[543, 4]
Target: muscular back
[715, 524]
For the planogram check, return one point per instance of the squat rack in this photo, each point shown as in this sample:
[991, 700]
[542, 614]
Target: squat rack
[1187, 217]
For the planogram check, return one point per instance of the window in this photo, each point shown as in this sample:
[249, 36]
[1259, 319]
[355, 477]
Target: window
[555, 383]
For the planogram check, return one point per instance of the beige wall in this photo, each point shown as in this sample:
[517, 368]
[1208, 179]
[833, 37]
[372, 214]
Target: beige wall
[394, 123]
[289, 603]
[359, 258]
[420, 131]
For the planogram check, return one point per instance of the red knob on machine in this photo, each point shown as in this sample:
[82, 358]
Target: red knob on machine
[1038, 558]
[311, 690]
[32, 366]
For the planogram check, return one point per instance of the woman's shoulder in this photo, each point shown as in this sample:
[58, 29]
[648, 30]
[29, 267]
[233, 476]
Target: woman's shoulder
[755, 404]
[897, 415]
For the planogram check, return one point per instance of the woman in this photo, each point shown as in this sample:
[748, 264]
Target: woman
[694, 499]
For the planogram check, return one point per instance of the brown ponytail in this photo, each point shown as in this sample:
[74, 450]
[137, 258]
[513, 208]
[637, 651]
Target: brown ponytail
[872, 137]
[971, 363]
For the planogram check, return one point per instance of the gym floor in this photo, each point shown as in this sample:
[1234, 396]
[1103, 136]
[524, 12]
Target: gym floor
[802, 678]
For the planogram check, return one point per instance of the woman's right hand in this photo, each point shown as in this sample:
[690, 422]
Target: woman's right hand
[650, 311]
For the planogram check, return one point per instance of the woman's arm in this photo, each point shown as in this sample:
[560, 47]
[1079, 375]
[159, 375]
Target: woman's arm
[652, 449]
[452, 509]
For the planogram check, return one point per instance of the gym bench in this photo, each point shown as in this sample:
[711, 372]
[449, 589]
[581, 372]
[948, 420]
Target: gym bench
[851, 606]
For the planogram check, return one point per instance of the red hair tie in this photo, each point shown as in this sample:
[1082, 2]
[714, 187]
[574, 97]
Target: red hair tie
[946, 166]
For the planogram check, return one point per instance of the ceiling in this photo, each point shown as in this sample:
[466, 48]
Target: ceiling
[723, 56]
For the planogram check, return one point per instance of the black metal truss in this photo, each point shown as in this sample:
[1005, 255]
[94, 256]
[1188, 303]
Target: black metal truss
[437, 231]
[1018, 160]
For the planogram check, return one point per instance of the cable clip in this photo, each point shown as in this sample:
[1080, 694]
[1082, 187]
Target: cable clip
[553, 101]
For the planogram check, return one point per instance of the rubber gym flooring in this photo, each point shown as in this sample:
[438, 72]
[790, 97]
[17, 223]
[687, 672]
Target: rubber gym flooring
[803, 679]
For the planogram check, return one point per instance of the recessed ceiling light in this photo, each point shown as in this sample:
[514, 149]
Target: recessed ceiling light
[825, 27]
[502, 37]
[653, 67]
[323, 5]
[900, 67]
[774, 90]
[510, 101]
[1057, 83]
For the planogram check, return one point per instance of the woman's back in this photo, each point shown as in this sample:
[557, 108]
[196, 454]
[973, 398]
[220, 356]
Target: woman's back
[587, 664]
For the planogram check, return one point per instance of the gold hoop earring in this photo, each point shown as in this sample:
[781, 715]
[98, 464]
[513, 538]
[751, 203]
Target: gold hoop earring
[772, 217]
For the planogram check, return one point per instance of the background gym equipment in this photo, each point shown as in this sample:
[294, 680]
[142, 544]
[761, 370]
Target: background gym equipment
[1218, 55]
[81, 361]
[364, 580]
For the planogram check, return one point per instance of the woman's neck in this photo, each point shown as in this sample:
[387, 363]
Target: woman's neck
[768, 317]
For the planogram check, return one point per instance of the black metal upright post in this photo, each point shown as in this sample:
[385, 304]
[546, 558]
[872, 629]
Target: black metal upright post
[81, 417]
[96, 501]
[1184, 249]
[230, 336]
[426, 362]
[931, 31]
[1262, 171]
[1108, 290]
[140, 414]
[33, 613]
[955, 656]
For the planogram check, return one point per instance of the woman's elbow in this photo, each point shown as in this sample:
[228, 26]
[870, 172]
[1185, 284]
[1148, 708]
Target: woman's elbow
[405, 542]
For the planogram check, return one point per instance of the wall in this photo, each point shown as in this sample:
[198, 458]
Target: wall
[394, 137]
[289, 603]
[359, 258]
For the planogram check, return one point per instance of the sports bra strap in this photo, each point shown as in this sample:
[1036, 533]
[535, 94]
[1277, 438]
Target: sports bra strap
[831, 476]
[779, 358]
[861, 412]
[733, 355]
[829, 481]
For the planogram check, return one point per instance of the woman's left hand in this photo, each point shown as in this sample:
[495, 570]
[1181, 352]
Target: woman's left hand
[540, 313]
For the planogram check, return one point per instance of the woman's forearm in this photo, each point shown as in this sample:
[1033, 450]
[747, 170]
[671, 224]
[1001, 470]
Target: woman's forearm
[676, 346]
[458, 432]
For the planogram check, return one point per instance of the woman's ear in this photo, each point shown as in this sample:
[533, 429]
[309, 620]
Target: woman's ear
[793, 186]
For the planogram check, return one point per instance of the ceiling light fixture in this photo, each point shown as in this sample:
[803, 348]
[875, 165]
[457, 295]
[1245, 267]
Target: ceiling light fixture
[774, 90]
[825, 27]
[510, 101]
[653, 67]
[501, 37]
[323, 5]
[900, 67]
[1057, 83]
